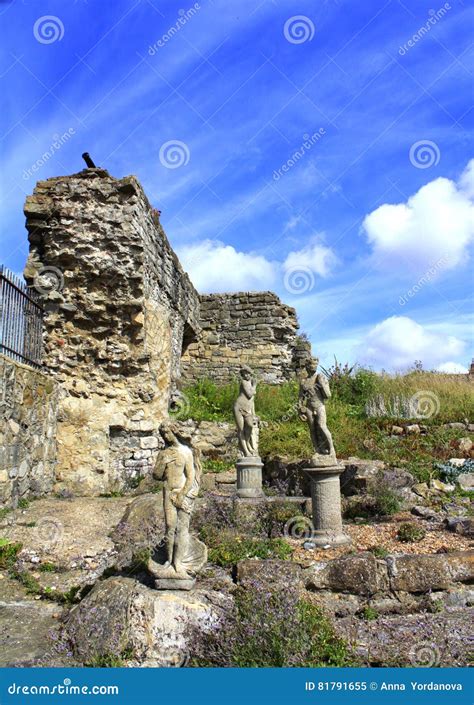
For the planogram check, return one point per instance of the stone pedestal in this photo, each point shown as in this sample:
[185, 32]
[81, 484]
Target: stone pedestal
[249, 477]
[326, 500]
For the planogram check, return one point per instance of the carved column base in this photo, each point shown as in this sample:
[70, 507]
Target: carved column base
[249, 477]
[326, 501]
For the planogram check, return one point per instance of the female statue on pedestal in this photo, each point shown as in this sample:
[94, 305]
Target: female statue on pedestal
[244, 412]
[314, 390]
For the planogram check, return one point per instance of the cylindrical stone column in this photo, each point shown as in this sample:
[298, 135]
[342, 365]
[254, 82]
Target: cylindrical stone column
[249, 477]
[326, 501]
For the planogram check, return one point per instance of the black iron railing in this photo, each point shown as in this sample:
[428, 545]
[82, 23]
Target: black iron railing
[21, 320]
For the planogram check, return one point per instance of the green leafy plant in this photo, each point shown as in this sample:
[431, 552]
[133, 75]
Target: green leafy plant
[378, 551]
[369, 613]
[270, 628]
[226, 547]
[9, 551]
[410, 533]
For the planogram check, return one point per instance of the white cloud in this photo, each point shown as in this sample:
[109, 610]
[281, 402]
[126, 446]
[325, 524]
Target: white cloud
[396, 342]
[435, 224]
[216, 267]
[452, 368]
[319, 258]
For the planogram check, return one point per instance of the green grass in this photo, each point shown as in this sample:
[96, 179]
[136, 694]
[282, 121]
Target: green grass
[226, 547]
[354, 434]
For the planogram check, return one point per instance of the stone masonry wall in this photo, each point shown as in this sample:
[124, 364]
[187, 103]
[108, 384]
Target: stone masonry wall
[119, 310]
[255, 329]
[28, 409]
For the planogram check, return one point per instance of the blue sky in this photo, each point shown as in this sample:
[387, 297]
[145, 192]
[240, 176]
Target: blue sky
[318, 149]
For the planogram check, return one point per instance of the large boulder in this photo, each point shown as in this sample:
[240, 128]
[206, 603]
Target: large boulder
[360, 574]
[150, 628]
[437, 571]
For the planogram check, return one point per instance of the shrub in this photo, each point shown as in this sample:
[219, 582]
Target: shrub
[450, 472]
[410, 533]
[378, 551]
[226, 548]
[8, 553]
[369, 613]
[270, 628]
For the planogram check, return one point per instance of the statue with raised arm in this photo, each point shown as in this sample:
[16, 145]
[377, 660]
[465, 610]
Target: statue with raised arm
[313, 392]
[244, 412]
[180, 470]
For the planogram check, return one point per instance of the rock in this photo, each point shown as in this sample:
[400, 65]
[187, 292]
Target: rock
[411, 640]
[425, 513]
[465, 445]
[155, 626]
[460, 525]
[466, 480]
[457, 462]
[208, 481]
[359, 474]
[360, 574]
[441, 486]
[421, 489]
[412, 573]
[413, 429]
[397, 430]
[217, 440]
[455, 424]
[278, 574]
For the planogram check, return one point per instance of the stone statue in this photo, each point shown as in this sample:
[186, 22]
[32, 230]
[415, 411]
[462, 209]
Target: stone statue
[245, 418]
[313, 392]
[180, 469]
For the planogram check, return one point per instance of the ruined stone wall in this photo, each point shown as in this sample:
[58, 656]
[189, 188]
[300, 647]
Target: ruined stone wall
[118, 308]
[28, 410]
[255, 329]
